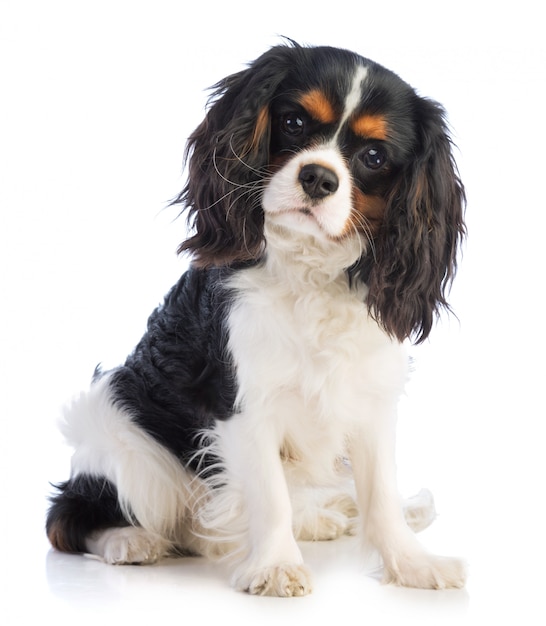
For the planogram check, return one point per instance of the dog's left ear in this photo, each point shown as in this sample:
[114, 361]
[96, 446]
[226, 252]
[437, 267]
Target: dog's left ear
[227, 157]
[416, 248]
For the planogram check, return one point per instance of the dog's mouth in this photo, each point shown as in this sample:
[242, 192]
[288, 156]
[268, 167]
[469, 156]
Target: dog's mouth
[296, 210]
[301, 214]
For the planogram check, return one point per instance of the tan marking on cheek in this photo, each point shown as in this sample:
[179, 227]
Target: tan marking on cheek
[318, 106]
[277, 161]
[370, 127]
[367, 213]
[262, 124]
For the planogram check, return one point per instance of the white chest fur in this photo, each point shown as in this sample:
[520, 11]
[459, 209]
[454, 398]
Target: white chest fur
[305, 348]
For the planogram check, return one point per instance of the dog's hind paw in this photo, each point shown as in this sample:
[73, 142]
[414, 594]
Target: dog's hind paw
[127, 545]
[426, 571]
[419, 510]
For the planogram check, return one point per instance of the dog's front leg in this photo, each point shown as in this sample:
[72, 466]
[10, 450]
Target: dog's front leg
[372, 450]
[273, 564]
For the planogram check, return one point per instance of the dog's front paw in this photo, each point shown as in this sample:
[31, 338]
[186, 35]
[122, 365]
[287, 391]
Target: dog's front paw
[426, 571]
[283, 580]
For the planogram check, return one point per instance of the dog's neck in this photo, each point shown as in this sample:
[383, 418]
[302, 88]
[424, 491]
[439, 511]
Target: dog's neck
[304, 262]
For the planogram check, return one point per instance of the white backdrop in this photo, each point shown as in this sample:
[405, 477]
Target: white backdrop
[96, 101]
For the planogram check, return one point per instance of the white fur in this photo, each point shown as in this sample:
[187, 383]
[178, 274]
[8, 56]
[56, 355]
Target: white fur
[154, 489]
[129, 544]
[313, 368]
[352, 100]
[318, 381]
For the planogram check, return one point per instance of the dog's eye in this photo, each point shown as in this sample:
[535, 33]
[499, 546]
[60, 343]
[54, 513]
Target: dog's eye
[292, 124]
[374, 158]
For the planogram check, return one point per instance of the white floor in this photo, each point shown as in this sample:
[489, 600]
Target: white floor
[97, 100]
[342, 590]
[73, 589]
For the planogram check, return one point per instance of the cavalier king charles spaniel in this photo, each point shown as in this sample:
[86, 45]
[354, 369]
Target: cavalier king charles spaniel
[259, 408]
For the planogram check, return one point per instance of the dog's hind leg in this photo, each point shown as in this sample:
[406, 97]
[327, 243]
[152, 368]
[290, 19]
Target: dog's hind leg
[85, 517]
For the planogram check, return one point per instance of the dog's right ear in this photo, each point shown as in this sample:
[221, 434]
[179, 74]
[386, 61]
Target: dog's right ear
[416, 250]
[228, 157]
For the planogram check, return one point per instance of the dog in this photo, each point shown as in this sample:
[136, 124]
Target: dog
[325, 215]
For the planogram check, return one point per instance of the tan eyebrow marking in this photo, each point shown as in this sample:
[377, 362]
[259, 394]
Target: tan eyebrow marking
[318, 106]
[370, 126]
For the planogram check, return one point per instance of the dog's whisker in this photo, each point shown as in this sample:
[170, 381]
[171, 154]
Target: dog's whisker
[362, 225]
[259, 171]
[257, 191]
[223, 177]
[244, 190]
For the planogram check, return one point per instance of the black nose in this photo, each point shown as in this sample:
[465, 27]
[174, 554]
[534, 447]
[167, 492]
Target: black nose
[318, 181]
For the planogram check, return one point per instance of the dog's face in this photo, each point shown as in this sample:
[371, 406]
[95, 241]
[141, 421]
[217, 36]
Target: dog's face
[324, 142]
[337, 145]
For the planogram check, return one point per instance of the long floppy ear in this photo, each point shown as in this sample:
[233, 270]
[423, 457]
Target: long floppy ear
[227, 157]
[416, 248]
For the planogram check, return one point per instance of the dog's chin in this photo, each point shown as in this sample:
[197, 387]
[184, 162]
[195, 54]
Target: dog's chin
[300, 221]
[305, 222]
[299, 234]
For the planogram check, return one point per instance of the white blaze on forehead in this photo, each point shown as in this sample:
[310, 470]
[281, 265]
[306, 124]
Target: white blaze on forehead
[353, 98]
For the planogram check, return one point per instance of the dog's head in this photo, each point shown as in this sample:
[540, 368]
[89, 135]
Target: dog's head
[331, 144]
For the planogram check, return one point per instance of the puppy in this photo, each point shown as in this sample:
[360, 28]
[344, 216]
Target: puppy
[259, 408]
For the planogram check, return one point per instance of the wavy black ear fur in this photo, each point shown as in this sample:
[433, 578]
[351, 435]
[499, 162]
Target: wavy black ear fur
[227, 157]
[416, 247]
